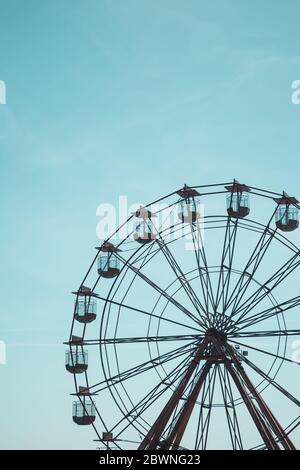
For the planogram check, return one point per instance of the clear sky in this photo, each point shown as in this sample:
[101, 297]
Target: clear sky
[120, 97]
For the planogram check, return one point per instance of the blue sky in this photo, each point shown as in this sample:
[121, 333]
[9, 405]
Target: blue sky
[120, 97]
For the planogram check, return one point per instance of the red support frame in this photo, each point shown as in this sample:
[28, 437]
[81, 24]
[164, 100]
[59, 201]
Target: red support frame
[214, 349]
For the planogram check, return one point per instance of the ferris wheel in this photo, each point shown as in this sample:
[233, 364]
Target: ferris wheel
[185, 331]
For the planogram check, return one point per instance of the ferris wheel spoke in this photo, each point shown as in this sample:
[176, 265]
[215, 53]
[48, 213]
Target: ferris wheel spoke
[160, 291]
[155, 251]
[251, 267]
[265, 289]
[181, 276]
[153, 395]
[268, 313]
[261, 422]
[264, 334]
[293, 425]
[144, 312]
[207, 290]
[228, 416]
[202, 422]
[151, 439]
[227, 257]
[211, 392]
[267, 425]
[271, 381]
[200, 425]
[228, 385]
[175, 229]
[173, 434]
[282, 358]
[178, 420]
[203, 283]
[185, 394]
[206, 422]
[279, 237]
[140, 368]
[141, 339]
[257, 259]
[232, 421]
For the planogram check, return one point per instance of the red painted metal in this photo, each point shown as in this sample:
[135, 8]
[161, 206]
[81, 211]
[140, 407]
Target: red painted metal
[174, 439]
[215, 349]
[278, 431]
[153, 438]
[187, 192]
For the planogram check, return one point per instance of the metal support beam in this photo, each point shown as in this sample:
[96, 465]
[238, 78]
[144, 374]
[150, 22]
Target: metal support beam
[153, 438]
[173, 440]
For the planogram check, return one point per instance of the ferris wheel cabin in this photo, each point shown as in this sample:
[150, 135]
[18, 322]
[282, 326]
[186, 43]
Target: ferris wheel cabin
[238, 200]
[144, 228]
[84, 413]
[108, 263]
[76, 360]
[287, 213]
[85, 310]
[189, 210]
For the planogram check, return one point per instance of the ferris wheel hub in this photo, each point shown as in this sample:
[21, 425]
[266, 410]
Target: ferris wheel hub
[216, 334]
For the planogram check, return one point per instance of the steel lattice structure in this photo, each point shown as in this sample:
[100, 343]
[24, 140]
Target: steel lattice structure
[197, 313]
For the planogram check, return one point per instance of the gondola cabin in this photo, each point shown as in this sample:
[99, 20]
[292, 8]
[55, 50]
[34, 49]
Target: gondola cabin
[108, 263]
[76, 360]
[84, 413]
[238, 200]
[144, 231]
[85, 310]
[189, 206]
[287, 213]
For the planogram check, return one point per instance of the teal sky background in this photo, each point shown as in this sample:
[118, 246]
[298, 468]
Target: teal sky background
[120, 97]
